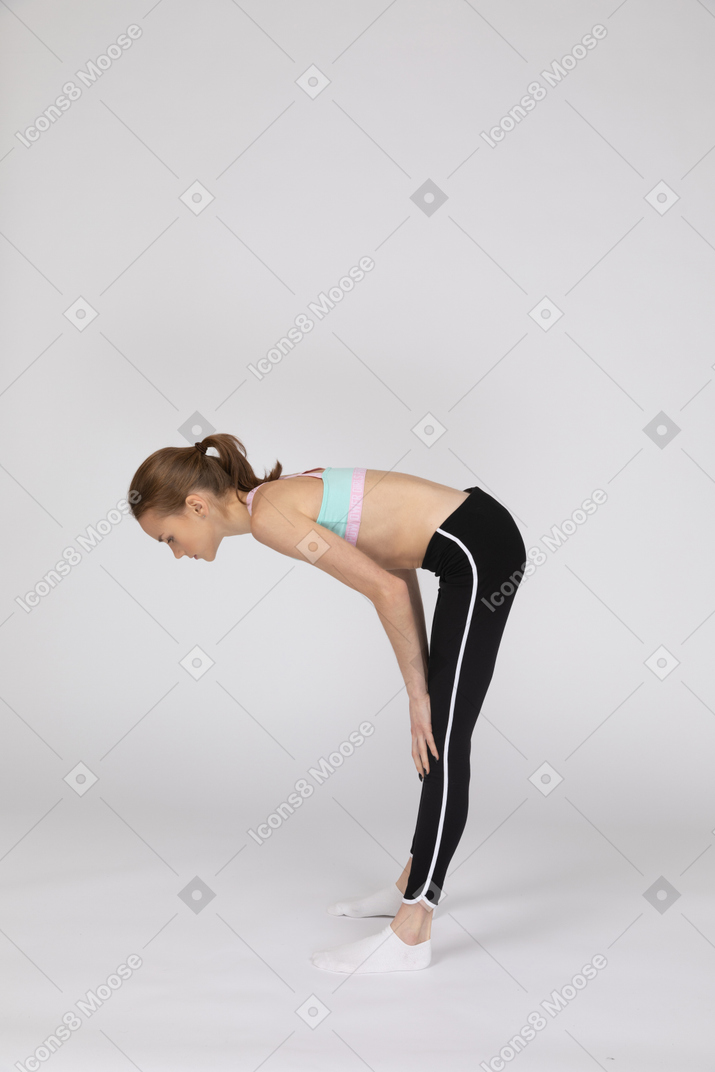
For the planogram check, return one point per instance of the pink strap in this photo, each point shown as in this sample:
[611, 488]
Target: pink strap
[357, 491]
[286, 476]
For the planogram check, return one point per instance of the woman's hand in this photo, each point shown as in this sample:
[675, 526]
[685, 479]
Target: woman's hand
[422, 739]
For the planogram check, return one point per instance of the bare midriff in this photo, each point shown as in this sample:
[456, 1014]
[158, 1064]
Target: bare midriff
[400, 513]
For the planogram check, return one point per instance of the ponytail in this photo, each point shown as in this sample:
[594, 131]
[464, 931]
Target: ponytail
[165, 479]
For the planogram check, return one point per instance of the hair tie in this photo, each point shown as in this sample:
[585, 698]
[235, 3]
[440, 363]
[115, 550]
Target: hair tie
[200, 447]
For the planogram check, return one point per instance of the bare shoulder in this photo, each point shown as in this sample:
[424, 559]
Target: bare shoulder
[303, 493]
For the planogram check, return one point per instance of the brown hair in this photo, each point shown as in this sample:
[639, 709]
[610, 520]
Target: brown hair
[164, 479]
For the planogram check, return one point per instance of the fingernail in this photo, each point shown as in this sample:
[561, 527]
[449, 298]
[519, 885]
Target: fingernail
[419, 776]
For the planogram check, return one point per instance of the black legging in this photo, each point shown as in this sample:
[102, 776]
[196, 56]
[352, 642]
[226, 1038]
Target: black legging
[478, 555]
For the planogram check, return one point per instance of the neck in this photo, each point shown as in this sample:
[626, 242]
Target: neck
[236, 521]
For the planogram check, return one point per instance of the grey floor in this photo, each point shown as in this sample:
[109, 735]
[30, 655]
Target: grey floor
[227, 984]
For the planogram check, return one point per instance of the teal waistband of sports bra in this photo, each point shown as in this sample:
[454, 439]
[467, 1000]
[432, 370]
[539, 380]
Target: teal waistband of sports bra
[341, 508]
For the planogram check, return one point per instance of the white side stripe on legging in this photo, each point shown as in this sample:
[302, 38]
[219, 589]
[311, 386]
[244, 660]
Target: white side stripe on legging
[455, 686]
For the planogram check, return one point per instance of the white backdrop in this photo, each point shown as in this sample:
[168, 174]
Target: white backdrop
[537, 321]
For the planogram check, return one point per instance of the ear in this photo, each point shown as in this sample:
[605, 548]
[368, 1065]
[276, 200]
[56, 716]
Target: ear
[197, 504]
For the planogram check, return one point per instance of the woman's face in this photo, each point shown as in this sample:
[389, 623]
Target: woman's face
[191, 534]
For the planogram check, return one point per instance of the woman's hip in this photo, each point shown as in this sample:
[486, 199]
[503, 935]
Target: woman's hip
[479, 541]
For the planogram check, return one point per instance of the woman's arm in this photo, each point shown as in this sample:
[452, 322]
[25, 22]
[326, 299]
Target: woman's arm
[409, 576]
[403, 618]
[395, 594]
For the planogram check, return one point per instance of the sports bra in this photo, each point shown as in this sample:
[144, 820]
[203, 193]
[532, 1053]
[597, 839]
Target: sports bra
[341, 508]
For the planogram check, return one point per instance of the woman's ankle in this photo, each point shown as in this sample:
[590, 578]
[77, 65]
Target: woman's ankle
[404, 877]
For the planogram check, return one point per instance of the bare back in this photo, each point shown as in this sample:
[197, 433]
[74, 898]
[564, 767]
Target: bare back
[400, 512]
